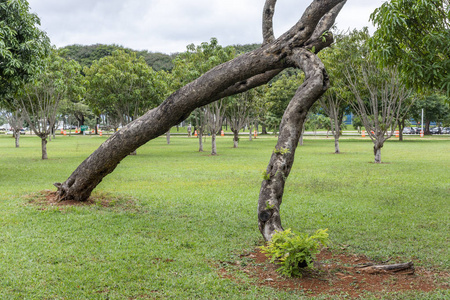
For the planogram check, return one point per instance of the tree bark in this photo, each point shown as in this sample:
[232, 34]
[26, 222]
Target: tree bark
[377, 153]
[336, 145]
[44, 148]
[168, 137]
[246, 71]
[213, 144]
[282, 159]
[236, 138]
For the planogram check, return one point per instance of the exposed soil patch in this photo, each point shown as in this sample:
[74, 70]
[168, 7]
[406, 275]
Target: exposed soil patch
[49, 200]
[338, 274]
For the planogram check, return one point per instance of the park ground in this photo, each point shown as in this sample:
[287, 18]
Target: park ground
[173, 223]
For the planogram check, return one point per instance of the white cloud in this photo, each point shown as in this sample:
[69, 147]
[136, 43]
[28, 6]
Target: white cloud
[169, 25]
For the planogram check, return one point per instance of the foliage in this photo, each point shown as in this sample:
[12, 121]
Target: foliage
[124, 86]
[278, 95]
[435, 109]
[22, 46]
[414, 36]
[86, 55]
[294, 250]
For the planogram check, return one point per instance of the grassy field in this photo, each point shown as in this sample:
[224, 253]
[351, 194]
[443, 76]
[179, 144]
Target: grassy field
[178, 213]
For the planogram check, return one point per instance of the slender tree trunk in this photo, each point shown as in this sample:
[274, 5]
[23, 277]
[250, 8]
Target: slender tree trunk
[213, 144]
[44, 148]
[236, 138]
[336, 144]
[17, 137]
[200, 141]
[378, 144]
[401, 126]
[168, 137]
[250, 128]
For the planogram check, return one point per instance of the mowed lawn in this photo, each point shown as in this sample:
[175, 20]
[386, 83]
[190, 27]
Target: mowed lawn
[177, 213]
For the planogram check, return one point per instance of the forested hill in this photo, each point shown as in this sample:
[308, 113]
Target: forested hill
[85, 55]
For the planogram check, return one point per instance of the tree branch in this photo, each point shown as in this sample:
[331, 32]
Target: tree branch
[268, 12]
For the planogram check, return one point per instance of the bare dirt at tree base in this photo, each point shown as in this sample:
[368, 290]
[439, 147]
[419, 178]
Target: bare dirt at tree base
[338, 274]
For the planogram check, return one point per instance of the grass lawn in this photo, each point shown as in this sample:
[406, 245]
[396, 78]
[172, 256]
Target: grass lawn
[178, 213]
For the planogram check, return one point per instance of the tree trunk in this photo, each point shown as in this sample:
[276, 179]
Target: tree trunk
[377, 153]
[17, 137]
[44, 148]
[401, 126]
[336, 144]
[236, 138]
[245, 72]
[263, 129]
[168, 137]
[200, 141]
[213, 144]
[280, 164]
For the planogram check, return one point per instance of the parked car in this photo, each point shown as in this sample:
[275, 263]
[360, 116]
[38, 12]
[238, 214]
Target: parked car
[408, 130]
[446, 130]
[436, 130]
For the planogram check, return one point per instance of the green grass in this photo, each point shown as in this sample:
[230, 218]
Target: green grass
[190, 211]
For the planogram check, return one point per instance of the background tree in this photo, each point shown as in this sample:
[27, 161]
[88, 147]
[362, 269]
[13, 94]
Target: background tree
[335, 102]
[379, 95]
[15, 117]
[414, 36]
[41, 98]
[123, 86]
[189, 66]
[22, 46]
[214, 114]
[240, 109]
[435, 109]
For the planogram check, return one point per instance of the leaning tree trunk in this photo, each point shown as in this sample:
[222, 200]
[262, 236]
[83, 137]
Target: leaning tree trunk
[291, 126]
[293, 49]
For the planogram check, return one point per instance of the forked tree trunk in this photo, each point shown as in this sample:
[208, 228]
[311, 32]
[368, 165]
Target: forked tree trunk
[295, 48]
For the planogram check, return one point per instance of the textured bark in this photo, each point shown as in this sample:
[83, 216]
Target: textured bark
[282, 159]
[246, 71]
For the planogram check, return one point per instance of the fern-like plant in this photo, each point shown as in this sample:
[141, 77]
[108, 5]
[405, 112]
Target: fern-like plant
[294, 250]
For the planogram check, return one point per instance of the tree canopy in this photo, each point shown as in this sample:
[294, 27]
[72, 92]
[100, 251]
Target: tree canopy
[22, 46]
[414, 35]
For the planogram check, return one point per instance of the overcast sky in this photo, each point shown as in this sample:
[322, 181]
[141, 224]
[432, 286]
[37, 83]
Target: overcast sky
[169, 25]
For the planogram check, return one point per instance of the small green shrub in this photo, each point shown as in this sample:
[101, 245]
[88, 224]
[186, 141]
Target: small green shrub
[294, 251]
